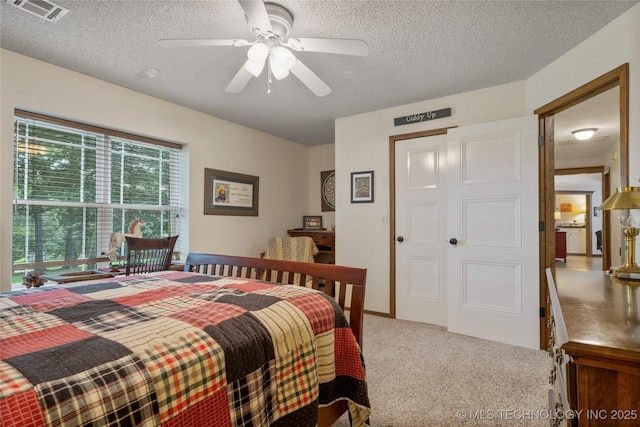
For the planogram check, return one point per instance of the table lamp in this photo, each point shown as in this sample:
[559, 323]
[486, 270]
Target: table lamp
[627, 201]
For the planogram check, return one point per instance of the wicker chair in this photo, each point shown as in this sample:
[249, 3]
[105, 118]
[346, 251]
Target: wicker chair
[148, 255]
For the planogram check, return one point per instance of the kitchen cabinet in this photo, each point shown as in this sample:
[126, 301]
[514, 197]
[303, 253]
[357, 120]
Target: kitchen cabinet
[576, 240]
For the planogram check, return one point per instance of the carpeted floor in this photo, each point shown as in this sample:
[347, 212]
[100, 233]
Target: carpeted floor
[422, 376]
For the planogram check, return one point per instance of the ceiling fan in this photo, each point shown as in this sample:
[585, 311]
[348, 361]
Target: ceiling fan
[271, 24]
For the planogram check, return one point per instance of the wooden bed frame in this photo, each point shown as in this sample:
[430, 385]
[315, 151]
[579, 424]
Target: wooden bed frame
[345, 284]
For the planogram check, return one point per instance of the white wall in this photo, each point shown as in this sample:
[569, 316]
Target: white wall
[362, 140]
[362, 144]
[578, 162]
[617, 241]
[212, 143]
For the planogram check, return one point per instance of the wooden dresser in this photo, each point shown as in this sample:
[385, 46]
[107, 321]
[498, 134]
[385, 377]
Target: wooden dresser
[603, 348]
[325, 241]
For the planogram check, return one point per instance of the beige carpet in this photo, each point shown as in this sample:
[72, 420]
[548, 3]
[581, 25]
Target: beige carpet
[420, 376]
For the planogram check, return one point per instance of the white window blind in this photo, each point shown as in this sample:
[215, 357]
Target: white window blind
[75, 184]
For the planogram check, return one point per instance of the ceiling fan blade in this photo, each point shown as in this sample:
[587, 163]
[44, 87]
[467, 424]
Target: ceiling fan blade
[341, 46]
[308, 77]
[257, 15]
[202, 42]
[239, 81]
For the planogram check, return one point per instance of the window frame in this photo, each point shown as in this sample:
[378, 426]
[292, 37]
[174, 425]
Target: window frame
[105, 207]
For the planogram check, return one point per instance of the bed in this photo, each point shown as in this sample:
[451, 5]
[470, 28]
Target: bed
[219, 344]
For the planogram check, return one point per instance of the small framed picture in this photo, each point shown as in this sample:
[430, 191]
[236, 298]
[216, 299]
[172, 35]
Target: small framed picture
[362, 187]
[312, 222]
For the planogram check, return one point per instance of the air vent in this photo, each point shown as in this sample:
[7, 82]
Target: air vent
[42, 8]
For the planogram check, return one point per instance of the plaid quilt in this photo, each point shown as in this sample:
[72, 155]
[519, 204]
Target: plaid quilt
[176, 349]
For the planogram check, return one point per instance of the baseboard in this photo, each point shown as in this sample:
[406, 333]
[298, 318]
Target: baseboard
[377, 313]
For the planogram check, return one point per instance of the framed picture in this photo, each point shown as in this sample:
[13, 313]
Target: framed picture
[327, 190]
[230, 193]
[312, 222]
[566, 207]
[362, 187]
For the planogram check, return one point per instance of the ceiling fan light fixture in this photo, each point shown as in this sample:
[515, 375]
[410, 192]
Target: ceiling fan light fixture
[283, 57]
[253, 67]
[279, 72]
[258, 53]
[584, 134]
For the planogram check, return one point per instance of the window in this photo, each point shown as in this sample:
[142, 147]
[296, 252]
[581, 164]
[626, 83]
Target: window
[75, 184]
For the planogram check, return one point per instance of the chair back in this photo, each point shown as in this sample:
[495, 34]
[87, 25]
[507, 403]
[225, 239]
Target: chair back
[299, 248]
[599, 240]
[146, 255]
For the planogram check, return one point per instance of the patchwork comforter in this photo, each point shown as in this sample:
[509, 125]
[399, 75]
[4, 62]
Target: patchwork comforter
[175, 349]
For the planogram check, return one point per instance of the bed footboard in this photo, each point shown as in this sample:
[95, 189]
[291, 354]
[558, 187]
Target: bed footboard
[345, 284]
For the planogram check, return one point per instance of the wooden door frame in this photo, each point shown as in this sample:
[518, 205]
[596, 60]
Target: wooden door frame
[606, 223]
[618, 77]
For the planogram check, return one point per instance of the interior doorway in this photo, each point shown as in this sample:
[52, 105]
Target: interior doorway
[618, 77]
[585, 188]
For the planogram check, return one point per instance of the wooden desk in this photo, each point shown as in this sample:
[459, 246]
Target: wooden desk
[325, 241]
[78, 276]
[603, 324]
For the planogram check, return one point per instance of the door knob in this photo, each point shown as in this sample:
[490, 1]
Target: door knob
[400, 239]
[453, 241]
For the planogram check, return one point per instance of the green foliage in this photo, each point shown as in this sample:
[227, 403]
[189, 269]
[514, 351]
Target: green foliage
[63, 201]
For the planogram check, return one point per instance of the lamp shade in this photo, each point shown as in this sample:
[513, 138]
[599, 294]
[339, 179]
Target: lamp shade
[557, 215]
[623, 198]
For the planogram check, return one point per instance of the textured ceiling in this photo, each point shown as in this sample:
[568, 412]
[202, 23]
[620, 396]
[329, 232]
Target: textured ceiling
[419, 50]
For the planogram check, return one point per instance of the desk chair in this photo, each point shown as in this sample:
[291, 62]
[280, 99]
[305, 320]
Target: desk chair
[599, 240]
[148, 255]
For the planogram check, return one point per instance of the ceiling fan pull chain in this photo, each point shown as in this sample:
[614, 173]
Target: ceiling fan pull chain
[269, 80]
